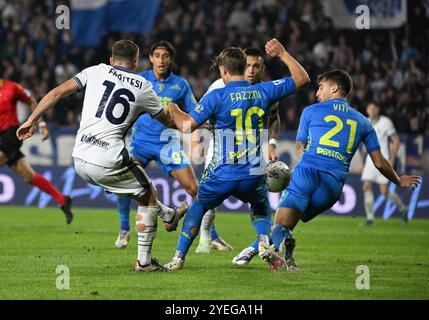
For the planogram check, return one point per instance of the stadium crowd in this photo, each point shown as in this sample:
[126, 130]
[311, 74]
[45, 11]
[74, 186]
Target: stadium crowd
[390, 67]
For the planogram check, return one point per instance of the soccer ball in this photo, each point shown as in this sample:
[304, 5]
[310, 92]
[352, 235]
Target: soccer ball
[278, 176]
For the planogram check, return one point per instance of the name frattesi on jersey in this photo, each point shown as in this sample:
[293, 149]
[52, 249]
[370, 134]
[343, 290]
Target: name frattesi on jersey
[133, 82]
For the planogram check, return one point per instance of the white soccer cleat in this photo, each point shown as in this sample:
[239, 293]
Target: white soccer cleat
[245, 256]
[123, 238]
[176, 263]
[221, 245]
[204, 247]
[275, 262]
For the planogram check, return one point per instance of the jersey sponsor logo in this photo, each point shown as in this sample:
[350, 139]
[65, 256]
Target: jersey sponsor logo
[331, 153]
[175, 87]
[93, 140]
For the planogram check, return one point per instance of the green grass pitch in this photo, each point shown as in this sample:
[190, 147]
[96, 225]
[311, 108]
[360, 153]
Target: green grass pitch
[35, 241]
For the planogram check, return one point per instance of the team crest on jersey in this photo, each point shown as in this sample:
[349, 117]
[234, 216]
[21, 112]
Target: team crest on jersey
[160, 87]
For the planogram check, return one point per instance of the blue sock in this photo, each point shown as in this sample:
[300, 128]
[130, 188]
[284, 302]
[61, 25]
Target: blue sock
[191, 226]
[262, 224]
[124, 204]
[254, 245]
[213, 232]
[279, 233]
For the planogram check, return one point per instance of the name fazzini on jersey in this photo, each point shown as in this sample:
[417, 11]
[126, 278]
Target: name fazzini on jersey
[114, 98]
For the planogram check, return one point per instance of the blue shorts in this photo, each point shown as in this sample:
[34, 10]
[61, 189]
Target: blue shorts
[168, 155]
[212, 192]
[311, 192]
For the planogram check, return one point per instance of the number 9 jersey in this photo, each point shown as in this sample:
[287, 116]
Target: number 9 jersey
[333, 131]
[114, 98]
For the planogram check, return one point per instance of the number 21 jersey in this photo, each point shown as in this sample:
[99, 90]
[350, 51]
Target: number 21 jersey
[114, 98]
[333, 131]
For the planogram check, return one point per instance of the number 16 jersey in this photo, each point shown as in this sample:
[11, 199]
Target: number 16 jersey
[114, 98]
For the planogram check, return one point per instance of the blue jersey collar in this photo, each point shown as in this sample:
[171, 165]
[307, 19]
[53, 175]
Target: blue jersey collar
[339, 99]
[242, 83]
[151, 76]
[123, 69]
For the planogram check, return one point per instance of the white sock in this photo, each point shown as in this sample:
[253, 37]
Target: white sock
[369, 203]
[146, 223]
[394, 198]
[206, 225]
[164, 212]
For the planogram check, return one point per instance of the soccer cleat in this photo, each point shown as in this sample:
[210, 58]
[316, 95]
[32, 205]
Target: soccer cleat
[204, 247]
[66, 208]
[177, 262]
[179, 212]
[221, 245]
[369, 222]
[245, 256]
[123, 238]
[154, 265]
[287, 246]
[275, 262]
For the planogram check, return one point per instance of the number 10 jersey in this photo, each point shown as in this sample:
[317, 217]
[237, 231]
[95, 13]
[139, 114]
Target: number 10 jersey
[114, 98]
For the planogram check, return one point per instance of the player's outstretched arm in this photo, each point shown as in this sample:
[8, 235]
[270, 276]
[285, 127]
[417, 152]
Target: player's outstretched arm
[387, 170]
[26, 130]
[183, 121]
[275, 49]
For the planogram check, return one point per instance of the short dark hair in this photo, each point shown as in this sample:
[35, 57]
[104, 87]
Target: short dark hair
[163, 44]
[340, 78]
[125, 50]
[233, 59]
[254, 52]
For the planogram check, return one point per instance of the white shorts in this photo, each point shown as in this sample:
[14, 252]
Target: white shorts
[370, 173]
[128, 180]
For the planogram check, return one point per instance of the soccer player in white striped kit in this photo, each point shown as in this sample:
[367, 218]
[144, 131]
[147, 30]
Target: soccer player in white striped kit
[115, 96]
[385, 133]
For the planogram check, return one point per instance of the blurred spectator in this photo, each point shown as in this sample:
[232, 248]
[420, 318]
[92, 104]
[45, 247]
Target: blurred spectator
[388, 66]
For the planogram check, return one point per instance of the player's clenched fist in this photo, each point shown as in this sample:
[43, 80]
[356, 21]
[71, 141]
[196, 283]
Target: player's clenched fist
[274, 48]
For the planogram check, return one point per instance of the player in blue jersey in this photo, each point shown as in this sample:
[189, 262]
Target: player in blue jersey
[209, 239]
[151, 140]
[239, 114]
[328, 136]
